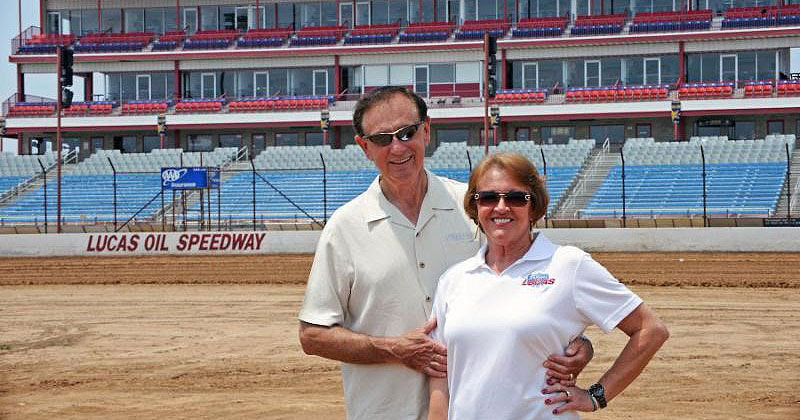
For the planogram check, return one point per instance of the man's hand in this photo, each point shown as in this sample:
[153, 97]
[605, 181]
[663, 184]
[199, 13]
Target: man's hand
[565, 369]
[421, 353]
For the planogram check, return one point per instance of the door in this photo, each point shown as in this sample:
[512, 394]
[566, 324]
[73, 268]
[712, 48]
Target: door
[362, 13]
[243, 17]
[421, 81]
[143, 87]
[261, 84]
[591, 73]
[190, 19]
[530, 76]
[54, 23]
[346, 14]
[652, 71]
[728, 68]
[208, 85]
[320, 82]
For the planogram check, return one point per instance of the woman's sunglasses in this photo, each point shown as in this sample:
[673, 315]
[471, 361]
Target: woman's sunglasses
[492, 198]
[402, 134]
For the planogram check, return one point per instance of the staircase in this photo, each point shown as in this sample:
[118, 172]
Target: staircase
[587, 181]
[69, 159]
[794, 183]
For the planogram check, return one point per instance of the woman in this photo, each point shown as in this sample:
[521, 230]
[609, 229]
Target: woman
[501, 312]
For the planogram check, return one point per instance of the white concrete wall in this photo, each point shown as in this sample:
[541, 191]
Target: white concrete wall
[274, 242]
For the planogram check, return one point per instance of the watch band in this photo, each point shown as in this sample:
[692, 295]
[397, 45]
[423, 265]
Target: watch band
[599, 393]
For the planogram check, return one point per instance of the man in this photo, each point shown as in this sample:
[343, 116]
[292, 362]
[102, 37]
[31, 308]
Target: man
[377, 263]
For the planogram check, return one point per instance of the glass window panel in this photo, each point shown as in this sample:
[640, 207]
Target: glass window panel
[209, 18]
[652, 69]
[643, 130]
[302, 82]
[747, 65]
[583, 7]
[259, 143]
[158, 85]
[113, 86]
[313, 138]
[329, 14]
[634, 71]
[154, 20]
[441, 10]
[593, 73]
[150, 143]
[227, 17]
[98, 143]
[230, 140]
[380, 12]
[287, 139]
[209, 85]
[129, 144]
[442, 73]
[413, 11]
[285, 14]
[765, 65]
[530, 76]
[550, 73]
[376, 75]
[670, 67]
[564, 7]
[112, 20]
[189, 19]
[449, 135]
[487, 9]
[227, 79]
[522, 134]
[88, 22]
[744, 130]
[575, 73]
[470, 8]
[75, 22]
[612, 71]
[128, 86]
[71, 143]
[320, 82]
[710, 68]
[469, 72]
[261, 80]
[278, 82]
[269, 16]
[307, 14]
[200, 142]
[694, 67]
[615, 133]
[562, 134]
[427, 11]
[666, 6]
[134, 20]
[774, 127]
[401, 75]
[143, 86]
[170, 79]
[169, 19]
[728, 63]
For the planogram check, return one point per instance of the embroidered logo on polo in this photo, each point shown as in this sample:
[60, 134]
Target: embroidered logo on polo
[537, 279]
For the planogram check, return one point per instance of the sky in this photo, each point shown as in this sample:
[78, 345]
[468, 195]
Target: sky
[45, 85]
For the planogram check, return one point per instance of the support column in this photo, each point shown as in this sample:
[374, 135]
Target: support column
[504, 69]
[681, 63]
[178, 94]
[177, 138]
[19, 143]
[20, 84]
[88, 87]
[337, 75]
[178, 16]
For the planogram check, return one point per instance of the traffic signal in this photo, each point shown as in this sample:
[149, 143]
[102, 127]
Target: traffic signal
[324, 120]
[162, 124]
[491, 66]
[494, 114]
[66, 66]
[66, 98]
[676, 111]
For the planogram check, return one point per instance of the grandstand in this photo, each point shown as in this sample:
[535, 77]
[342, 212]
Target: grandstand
[578, 81]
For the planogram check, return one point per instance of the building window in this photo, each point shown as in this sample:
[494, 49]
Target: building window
[644, 130]
[451, 135]
[127, 144]
[230, 140]
[744, 130]
[201, 142]
[614, 133]
[150, 143]
[552, 135]
[314, 138]
[98, 143]
[522, 134]
[134, 20]
[259, 143]
[287, 139]
[774, 127]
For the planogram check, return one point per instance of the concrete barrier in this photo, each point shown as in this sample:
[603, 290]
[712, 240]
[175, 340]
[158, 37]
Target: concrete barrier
[742, 239]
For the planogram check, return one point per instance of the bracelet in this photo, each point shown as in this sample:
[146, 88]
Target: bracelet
[594, 401]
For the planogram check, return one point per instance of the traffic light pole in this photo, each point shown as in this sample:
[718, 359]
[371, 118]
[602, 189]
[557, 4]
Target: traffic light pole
[58, 141]
[486, 92]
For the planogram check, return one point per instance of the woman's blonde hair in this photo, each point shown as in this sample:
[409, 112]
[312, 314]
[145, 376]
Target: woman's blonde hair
[519, 168]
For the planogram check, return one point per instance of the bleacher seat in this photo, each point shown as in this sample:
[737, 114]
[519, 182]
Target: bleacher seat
[280, 103]
[199, 105]
[45, 44]
[748, 17]
[145, 107]
[618, 93]
[788, 87]
[672, 21]
[540, 27]
[426, 32]
[263, 38]
[205, 40]
[706, 90]
[318, 35]
[598, 24]
[31, 109]
[475, 29]
[758, 88]
[372, 34]
[115, 42]
[520, 96]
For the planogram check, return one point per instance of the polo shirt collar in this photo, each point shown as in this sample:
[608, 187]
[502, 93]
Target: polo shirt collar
[378, 207]
[542, 249]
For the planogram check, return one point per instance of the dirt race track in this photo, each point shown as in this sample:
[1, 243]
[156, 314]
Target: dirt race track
[216, 338]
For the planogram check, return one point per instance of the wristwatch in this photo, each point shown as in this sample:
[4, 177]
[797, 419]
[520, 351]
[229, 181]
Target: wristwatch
[599, 394]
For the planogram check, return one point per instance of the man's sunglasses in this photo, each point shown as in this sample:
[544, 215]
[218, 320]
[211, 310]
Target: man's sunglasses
[492, 198]
[402, 134]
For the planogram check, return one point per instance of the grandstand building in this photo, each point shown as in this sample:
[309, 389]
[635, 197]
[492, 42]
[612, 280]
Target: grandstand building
[579, 80]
